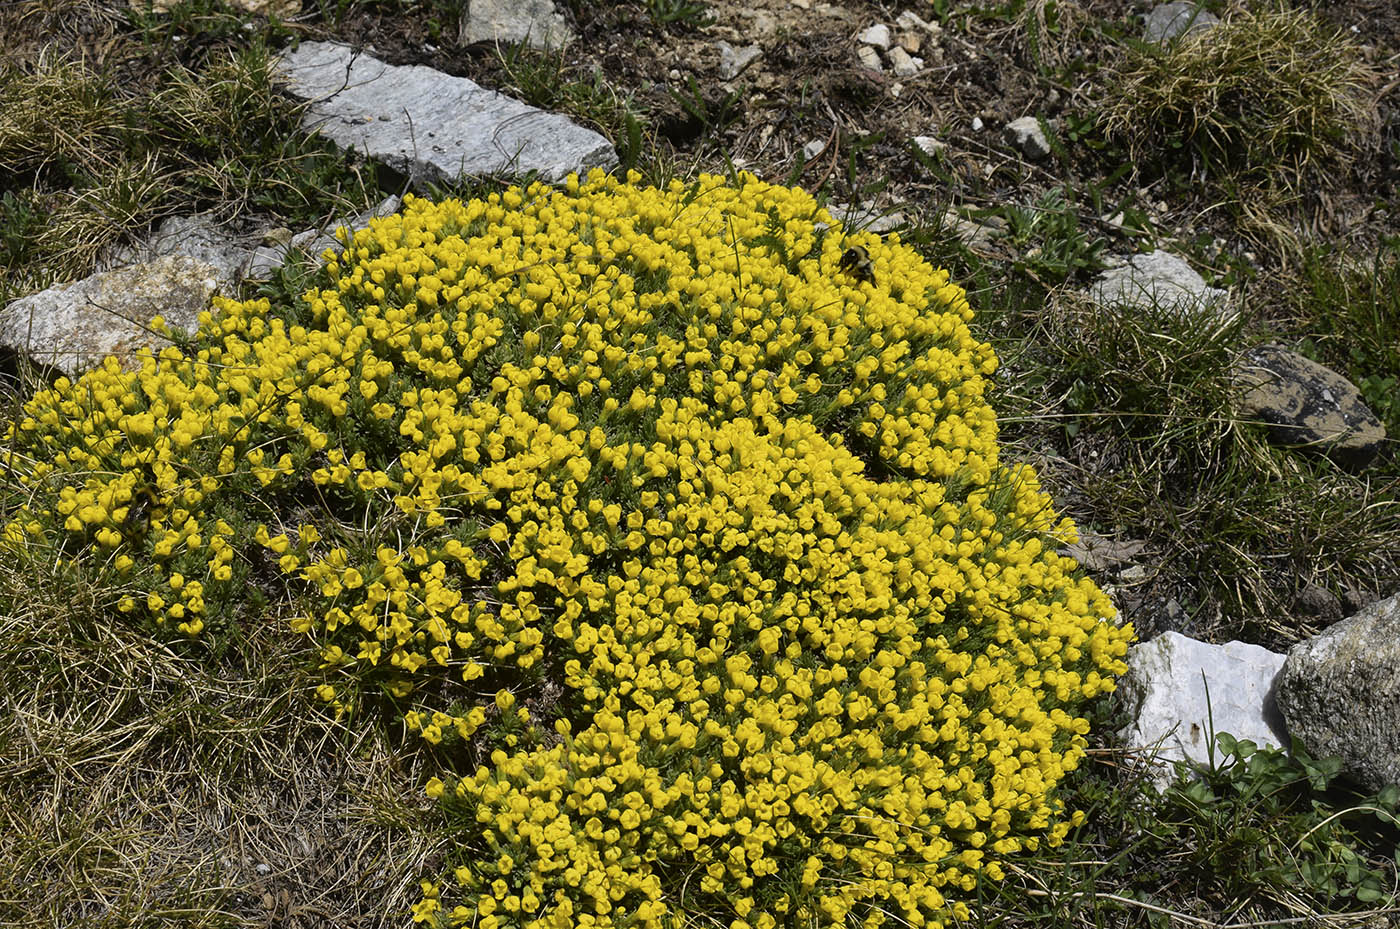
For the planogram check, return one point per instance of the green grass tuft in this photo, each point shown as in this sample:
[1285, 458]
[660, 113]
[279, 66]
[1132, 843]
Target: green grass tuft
[1270, 91]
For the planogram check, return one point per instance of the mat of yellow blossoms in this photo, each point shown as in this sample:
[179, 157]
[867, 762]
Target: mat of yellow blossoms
[678, 512]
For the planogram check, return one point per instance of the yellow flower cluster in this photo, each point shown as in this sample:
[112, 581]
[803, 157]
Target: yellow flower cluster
[697, 540]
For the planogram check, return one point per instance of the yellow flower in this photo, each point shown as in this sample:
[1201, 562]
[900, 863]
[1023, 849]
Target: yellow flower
[656, 457]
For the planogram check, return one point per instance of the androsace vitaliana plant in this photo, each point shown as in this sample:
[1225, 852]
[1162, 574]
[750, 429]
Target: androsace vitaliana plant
[690, 536]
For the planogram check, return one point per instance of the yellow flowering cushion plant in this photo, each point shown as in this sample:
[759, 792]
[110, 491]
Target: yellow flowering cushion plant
[694, 540]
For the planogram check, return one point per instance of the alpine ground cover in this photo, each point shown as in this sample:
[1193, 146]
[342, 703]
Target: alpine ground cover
[690, 548]
[148, 784]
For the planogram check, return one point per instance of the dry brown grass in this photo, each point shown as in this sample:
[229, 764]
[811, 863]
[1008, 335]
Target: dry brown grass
[143, 784]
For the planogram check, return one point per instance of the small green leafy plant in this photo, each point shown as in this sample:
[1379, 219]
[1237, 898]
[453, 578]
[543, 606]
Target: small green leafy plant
[685, 12]
[1052, 244]
[1262, 821]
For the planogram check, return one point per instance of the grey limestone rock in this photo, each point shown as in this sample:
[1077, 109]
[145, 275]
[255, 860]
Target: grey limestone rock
[1170, 21]
[172, 273]
[1307, 404]
[902, 63]
[1157, 279]
[431, 126]
[877, 35]
[1027, 137]
[534, 22]
[870, 58]
[72, 327]
[1340, 693]
[1166, 690]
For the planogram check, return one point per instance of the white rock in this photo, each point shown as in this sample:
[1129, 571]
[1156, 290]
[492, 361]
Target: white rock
[813, 148]
[977, 124]
[72, 327]
[910, 20]
[431, 126]
[1158, 279]
[1166, 690]
[877, 35]
[929, 145]
[1027, 137]
[903, 63]
[535, 22]
[870, 58]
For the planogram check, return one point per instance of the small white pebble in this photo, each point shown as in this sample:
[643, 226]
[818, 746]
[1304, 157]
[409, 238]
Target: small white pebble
[928, 144]
[977, 124]
[870, 58]
[877, 35]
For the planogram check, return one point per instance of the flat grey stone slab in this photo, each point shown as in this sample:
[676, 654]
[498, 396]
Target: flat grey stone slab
[72, 327]
[199, 236]
[1166, 690]
[431, 126]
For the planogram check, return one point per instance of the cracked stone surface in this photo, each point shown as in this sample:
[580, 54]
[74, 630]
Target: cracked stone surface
[431, 126]
[72, 327]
